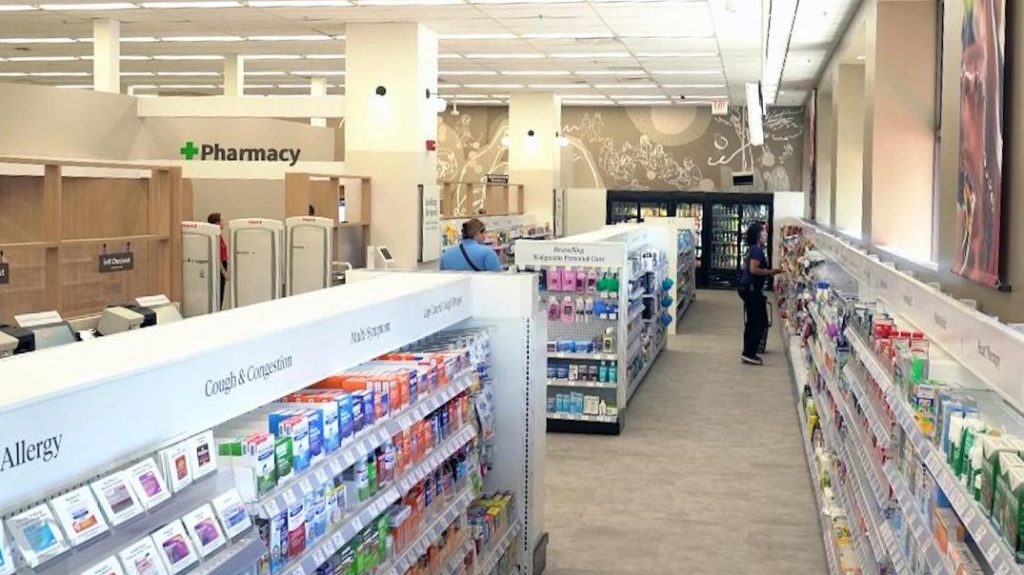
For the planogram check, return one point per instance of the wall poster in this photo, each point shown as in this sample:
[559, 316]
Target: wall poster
[980, 190]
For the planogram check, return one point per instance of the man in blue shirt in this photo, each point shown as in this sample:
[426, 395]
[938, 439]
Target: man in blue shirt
[472, 254]
[751, 289]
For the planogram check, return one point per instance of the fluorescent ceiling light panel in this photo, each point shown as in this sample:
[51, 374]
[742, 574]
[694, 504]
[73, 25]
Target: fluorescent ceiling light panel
[709, 98]
[185, 4]
[74, 86]
[132, 74]
[536, 73]
[625, 86]
[588, 97]
[506, 56]
[299, 3]
[321, 73]
[636, 97]
[13, 74]
[129, 57]
[37, 40]
[591, 55]
[202, 38]
[481, 101]
[523, 1]
[489, 86]
[265, 73]
[407, 2]
[325, 56]
[643, 102]
[16, 8]
[567, 35]
[694, 86]
[293, 38]
[144, 86]
[610, 72]
[479, 36]
[468, 73]
[781, 17]
[184, 57]
[677, 54]
[685, 72]
[42, 59]
[59, 74]
[273, 57]
[559, 86]
[293, 86]
[574, 101]
[138, 39]
[449, 56]
[188, 86]
[90, 7]
[188, 74]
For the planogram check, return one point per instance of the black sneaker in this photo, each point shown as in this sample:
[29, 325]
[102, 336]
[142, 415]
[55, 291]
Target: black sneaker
[751, 360]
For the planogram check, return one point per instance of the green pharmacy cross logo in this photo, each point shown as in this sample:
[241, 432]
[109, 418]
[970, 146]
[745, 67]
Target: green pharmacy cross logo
[189, 150]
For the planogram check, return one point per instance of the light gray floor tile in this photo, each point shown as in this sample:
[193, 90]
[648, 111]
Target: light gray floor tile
[708, 477]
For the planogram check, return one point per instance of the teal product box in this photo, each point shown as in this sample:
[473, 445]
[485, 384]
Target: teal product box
[277, 541]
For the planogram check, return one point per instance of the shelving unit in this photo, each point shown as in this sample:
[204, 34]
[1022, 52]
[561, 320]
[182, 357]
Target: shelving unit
[177, 375]
[504, 232]
[901, 473]
[589, 390]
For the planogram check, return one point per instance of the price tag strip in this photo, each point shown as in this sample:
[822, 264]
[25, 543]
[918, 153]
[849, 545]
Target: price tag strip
[360, 518]
[358, 447]
[495, 554]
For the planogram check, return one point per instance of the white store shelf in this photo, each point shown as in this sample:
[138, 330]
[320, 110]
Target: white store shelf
[587, 384]
[993, 548]
[916, 523]
[413, 551]
[313, 557]
[581, 417]
[454, 564]
[881, 431]
[584, 356]
[493, 555]
[361, 445]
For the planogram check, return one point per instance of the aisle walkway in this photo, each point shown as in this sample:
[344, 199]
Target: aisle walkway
[708, 477]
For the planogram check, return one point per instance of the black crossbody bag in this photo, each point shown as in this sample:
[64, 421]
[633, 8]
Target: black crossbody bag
[465, 254]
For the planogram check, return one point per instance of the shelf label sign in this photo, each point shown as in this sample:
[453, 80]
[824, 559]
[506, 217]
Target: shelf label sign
[5, 273]
[430, 222]
[598, 254]
[119, 262]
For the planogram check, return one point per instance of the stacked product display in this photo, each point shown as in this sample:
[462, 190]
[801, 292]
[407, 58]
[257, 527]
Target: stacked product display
[376, 469]
[605, 296]
[502, 233]
[924, 454]
[686, 272]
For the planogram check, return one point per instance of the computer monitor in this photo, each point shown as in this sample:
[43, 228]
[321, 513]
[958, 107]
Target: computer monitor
[53, 335]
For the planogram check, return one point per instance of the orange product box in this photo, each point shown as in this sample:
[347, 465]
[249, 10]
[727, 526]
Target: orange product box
[948, 528]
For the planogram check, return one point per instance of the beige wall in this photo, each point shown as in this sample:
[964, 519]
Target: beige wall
[848, 93]
[1008, 306]
[825, 137]
[161, 138]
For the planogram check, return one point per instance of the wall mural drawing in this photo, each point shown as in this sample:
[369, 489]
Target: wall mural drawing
[641, 148]
[980, 191]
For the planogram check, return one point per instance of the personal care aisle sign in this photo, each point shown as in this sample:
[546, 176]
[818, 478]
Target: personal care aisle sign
[559, 253]
[989, 349]
[430, 222]
[180, 392]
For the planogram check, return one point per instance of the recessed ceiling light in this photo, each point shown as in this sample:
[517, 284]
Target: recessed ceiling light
[183, 57]
[37, 40]
[90, 7]
[559, 86]
[631, 72]
[591, 55]
[696, 86]
[489, 86]
[325, 56]
[467, 73]
[59, 74]
[42, 59]
[16, 7]
[677, 54]
[294, 38]
[535, 73]
[862, 58]
[202, 38]
[479, 36]
[184, 4]
[272, 57]
[506, 56]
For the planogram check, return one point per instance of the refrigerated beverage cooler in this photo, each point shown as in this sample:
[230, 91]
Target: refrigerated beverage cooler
[722, 218]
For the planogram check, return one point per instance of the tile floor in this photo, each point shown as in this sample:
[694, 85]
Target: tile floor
[709, 475]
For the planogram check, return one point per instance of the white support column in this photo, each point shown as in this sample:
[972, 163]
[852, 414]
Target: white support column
[385, 135]
[534, 156]
[106, 55]
[318, 87]
[234, 75]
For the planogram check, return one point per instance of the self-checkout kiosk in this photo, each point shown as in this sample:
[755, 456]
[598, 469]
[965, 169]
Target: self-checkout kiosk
[158, 307]
[200, 268]
[310, 242]
[116, 319]
[255, 250]
[48, 329]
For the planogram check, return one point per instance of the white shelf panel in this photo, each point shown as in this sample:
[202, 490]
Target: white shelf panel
[407, 558]
[586, 356]
[639, 311]
[359, 447]
[916, 522]
[307, 563]
[587, 384]
[995, 551]
[455, 562]
[635, 383]
[492, 556]
[580, 417]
